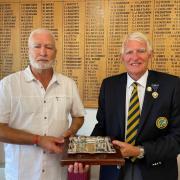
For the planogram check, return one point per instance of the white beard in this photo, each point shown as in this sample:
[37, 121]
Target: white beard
[41, 65]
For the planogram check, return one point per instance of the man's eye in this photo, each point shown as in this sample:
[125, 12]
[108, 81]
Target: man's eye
[49, 47]
[141, 50]
[36, 46]
[128, 52]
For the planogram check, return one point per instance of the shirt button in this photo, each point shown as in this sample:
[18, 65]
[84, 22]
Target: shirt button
[44, 101]
[45, 117]
[43, 170]
[44, 152]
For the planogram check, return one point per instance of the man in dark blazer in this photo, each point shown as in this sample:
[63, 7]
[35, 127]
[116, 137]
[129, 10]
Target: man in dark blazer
[157, 142]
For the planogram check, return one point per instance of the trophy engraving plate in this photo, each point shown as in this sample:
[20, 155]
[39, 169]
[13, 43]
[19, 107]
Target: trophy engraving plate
[92, 144]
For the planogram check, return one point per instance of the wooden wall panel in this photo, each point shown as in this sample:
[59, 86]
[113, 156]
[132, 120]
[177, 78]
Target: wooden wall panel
[88, 36]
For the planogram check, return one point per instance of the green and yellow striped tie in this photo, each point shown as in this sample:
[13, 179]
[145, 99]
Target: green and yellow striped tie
[133, 117]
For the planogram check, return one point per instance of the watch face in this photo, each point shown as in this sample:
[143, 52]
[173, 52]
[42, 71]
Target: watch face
[141, 155]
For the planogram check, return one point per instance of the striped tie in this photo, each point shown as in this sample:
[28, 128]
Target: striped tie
[133, 116]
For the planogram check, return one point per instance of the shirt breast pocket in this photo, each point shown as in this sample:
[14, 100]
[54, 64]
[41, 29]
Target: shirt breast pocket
[63, 103]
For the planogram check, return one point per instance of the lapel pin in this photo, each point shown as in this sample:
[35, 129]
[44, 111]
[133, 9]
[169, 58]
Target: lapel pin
[155, 95]
[155, 88]
[149, 88]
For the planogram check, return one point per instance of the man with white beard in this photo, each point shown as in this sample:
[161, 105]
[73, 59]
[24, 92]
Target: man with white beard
[34, 108]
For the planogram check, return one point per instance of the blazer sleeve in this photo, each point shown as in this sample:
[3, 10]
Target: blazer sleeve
[100, 129]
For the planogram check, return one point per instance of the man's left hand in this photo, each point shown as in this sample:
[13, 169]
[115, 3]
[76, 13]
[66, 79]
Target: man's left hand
[127, 150]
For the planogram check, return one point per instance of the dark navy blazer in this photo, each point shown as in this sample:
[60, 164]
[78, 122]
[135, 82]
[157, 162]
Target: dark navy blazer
[159, 129]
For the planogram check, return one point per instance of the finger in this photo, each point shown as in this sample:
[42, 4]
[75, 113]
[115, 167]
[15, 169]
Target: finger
[76, 168]
[59, 140]
[55, 151]
[81, 170]
[67, 133]
[70, 168]
[56, 142]
[118, 143]
[56, 148]
[86, 168]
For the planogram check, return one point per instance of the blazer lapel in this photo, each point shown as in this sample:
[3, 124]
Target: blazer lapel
[121, 99]
[148, 101]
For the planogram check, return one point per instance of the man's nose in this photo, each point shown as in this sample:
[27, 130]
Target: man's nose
[135, 55]
[43, 51]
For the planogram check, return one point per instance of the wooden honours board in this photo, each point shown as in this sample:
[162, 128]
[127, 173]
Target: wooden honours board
[88, 35]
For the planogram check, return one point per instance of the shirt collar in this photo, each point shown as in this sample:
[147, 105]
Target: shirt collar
[30, 77]
[142, 81]
[56, 78]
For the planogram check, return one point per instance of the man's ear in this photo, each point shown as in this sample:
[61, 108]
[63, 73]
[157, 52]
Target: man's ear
[121, 58]
[151, 54]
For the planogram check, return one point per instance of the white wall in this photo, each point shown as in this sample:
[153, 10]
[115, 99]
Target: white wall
[89, 123]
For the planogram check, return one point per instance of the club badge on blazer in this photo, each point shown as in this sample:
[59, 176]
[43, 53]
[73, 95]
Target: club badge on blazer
[153, 88]
[161, 122]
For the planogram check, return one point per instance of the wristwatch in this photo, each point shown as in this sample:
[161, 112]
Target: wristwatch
[142, 152]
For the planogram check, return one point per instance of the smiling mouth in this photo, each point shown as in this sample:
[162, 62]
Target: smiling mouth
[135, 64]
[42, 60]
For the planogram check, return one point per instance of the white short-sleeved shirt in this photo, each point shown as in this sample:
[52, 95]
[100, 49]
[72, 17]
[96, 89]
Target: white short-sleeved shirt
[25, 105]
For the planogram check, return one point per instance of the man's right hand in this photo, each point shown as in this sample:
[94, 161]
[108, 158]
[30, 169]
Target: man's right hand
[51, 144]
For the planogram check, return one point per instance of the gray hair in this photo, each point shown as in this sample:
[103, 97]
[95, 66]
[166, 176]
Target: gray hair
[138, 36]
[39, 31]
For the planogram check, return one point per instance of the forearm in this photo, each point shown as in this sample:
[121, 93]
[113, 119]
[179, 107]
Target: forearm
[76, 124]
[15, 136]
